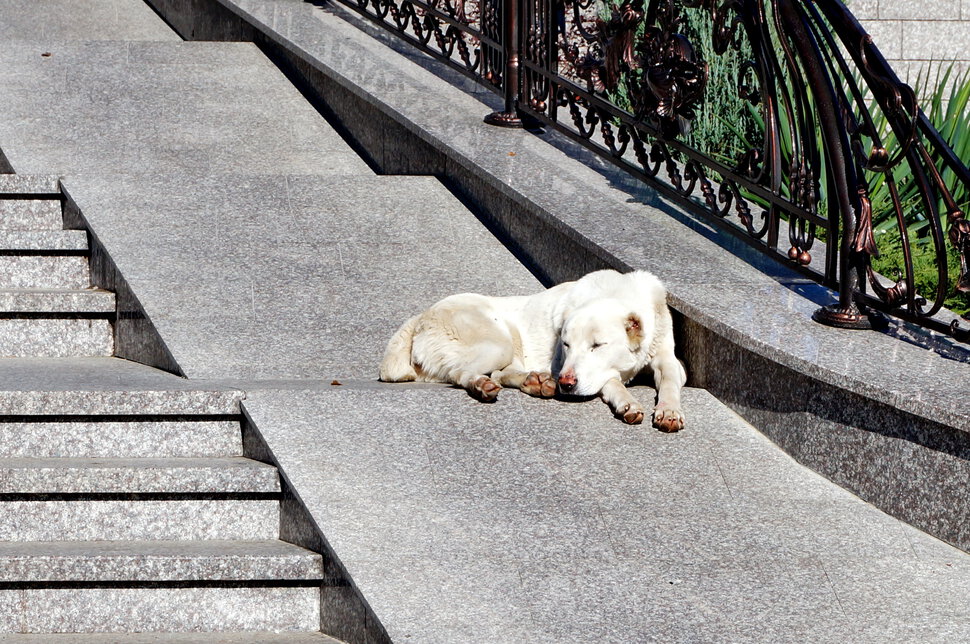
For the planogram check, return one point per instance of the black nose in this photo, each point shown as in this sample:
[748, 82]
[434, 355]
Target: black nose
[566, 386]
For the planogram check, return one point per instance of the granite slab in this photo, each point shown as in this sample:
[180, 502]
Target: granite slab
[65, 20]
[262, 277]
[155, 106]
[544, 520]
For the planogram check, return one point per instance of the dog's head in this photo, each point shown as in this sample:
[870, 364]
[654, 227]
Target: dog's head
[599, 341]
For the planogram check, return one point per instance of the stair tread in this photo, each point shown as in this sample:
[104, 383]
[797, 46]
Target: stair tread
[99, 561]
[43, 240]
[249, 637]
[56, 300]
[233, 474]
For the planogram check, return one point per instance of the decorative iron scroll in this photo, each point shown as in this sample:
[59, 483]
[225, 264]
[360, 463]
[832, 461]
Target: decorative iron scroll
[465, 34]
[765, 116]
[827, 141]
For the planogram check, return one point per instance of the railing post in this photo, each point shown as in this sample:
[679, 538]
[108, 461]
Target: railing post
[509, 116]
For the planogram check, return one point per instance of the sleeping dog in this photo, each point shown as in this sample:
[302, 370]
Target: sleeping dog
[594, 334]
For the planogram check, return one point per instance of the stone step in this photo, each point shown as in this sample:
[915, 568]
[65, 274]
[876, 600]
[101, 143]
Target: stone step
[99, 438]
[79, 562]
[40, 336]
[255, 637]
[233, 475]
[40, 271]
[146, 519]
[105, 387]
[30, 184]
[31, 214]
[148, 610]
[47, 241]
[55, 300]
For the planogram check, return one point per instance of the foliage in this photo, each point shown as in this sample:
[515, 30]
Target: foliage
[947, 106]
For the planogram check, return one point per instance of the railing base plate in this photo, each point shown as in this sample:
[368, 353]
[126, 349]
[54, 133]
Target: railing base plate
[505, 119]
[849, 318]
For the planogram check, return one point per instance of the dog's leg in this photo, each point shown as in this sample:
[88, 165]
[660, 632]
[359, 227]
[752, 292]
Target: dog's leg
[480, 386]
[669, 376]
[621, 401]
[534, 383]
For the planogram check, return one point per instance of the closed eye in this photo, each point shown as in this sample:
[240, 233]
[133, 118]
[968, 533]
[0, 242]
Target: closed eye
[596, 345]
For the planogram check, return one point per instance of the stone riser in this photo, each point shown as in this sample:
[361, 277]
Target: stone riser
[30, 214]
[55, 338]
[111, 610]
[38, 271]
[85, 520]
[137, 476]
[112, 439]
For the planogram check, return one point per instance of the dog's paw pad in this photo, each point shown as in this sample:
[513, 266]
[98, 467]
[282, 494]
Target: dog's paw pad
[668, 420]
[538, 384]
[485, 389]
[632, 413]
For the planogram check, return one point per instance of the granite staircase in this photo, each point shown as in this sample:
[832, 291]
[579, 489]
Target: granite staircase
[133, 513]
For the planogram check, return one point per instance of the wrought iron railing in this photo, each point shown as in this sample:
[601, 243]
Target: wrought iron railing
[771, 118]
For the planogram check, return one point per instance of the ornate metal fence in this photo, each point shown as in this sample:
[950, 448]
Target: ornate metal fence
[773, 118]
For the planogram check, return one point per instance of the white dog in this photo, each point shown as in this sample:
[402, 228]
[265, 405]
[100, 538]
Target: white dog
[596, 333]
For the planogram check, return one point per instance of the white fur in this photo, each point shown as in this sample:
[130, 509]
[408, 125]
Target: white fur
[595, 334]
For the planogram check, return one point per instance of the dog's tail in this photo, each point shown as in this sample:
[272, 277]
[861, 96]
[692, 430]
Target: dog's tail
[396, 366]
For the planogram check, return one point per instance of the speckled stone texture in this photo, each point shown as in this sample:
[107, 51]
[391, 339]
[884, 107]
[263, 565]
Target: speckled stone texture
[120, 439]
[88, 300]
[134, 561]
[548, 521]
[55, 338]
[36, 184]
[47, 240]
[166, 609]
[136, 475]
[138, 520]
[222, 637]
[31, 214]
[104, 386]
[66, 20]
[256, 277]
[31, 271]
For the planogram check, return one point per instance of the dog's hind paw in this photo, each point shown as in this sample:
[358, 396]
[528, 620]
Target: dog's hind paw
[484, 388]
[668, 420]
[542, 385]
[631, 413]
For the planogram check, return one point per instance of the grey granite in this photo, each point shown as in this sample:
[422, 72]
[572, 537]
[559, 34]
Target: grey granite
[87, 300]
[104, 386]
[171, 520]
[37, 184]
[220, 637]
[38, 271]
[289, 276]
[61, 475]
[65, 20]
[55, 338]
[146, 106]
[30, 214]
[543, 520]
[170, 609]
[120, 439]
[62, 240]
[141, 561]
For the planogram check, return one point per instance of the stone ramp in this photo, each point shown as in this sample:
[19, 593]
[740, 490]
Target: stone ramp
[62, 20]
[97, 107]
[544, 521]
[280, 277]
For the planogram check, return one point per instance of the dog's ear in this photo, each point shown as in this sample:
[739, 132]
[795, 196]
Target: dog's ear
[634, 329]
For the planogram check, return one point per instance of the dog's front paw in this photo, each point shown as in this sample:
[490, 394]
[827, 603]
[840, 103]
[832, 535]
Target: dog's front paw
[542, 385]
[667, 420]
[631, 413]
[485, 389]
